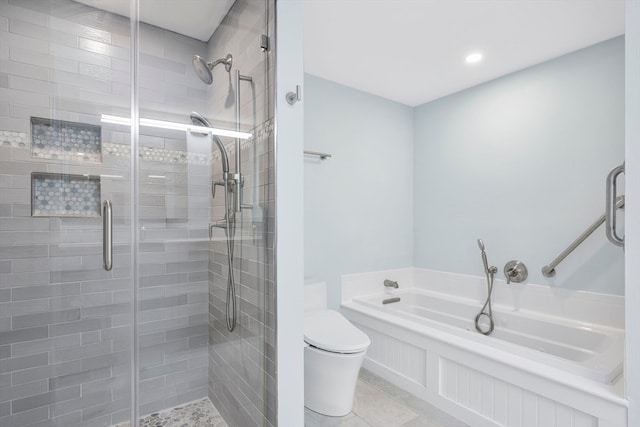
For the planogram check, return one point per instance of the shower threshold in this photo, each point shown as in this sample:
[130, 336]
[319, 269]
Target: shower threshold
[200, 413]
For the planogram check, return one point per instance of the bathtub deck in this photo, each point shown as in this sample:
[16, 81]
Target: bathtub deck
[379, 403]
[491, 382]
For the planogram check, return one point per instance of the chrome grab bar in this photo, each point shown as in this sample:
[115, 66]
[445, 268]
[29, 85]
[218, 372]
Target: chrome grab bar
[107, 235]
[612, 189]
[549, 270]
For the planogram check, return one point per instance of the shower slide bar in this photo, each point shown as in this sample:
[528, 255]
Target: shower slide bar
[316, 153]
[550, 270]
[238, 175]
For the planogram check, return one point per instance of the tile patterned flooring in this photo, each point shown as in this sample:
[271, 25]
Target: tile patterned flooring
[379, 403]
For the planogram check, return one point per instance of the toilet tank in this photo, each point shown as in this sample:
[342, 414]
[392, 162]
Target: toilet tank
[315, 295]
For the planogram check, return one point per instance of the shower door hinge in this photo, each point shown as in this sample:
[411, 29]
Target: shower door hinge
[265, 43]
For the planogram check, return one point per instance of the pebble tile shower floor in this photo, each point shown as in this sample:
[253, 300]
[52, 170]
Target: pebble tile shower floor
[201, 413]
[378, 403]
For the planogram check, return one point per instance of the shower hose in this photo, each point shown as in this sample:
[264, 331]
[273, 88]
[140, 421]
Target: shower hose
[486, 308]
[230, 231]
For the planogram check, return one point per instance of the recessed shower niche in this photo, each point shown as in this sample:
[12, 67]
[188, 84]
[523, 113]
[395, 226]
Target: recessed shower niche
[61, 140]
[55, 194]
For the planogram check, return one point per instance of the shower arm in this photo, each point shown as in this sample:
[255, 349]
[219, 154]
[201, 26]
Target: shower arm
[212, 64]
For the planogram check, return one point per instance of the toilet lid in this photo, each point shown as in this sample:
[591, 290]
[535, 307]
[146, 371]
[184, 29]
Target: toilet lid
[329, 330]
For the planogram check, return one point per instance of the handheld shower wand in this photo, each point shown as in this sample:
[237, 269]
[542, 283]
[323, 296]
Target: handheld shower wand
[486, 308]
[487, 269]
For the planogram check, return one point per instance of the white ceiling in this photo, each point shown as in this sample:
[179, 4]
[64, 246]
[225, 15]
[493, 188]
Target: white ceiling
[197, 19]
[412, 51]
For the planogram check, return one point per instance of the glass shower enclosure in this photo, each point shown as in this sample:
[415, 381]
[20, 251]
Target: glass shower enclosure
[136, 213]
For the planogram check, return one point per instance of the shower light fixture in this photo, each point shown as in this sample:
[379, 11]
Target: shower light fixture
[473, 58]
[161, 124]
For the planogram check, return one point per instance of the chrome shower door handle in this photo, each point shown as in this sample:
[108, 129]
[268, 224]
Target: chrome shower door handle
[612, 197]
[107, 235]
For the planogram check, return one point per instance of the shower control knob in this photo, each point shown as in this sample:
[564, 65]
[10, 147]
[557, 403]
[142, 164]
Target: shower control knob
[515, 271]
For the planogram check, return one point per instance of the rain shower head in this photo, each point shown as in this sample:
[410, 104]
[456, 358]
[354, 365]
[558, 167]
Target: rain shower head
[203, 67]
[199, 120]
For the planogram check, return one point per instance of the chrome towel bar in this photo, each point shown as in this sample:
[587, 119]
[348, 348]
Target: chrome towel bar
[316, 153]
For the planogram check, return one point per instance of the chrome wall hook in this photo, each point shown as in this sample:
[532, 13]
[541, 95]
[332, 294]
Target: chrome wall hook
[293, 97]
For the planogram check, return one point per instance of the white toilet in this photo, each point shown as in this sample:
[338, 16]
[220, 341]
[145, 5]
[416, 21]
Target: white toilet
[333, 353]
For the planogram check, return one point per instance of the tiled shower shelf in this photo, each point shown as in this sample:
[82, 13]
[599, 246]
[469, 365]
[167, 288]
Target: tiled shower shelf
[65, 195]
[60, 140]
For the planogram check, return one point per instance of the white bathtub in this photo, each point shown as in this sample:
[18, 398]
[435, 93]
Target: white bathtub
[554, 358]
[589, 350]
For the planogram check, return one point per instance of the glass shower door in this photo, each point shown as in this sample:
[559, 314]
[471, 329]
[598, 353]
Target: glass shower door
[66, 312]
[206, 294]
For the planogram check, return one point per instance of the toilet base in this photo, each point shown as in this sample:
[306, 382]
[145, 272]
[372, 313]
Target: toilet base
[330, 380]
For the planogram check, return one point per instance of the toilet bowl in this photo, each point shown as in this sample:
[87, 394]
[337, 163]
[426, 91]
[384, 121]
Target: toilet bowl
[333, 354]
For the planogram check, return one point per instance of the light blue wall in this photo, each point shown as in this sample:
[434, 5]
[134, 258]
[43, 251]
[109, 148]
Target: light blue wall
[521, 162]
[358, 203]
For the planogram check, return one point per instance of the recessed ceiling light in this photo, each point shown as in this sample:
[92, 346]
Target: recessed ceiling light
[473, 58]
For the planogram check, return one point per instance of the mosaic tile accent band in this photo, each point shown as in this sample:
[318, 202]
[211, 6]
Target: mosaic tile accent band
[201, 413]
[180, 157]
[20, 140]
[159, 154]
[260, 134]
[13, 139]
[60, 140]
[65, 195]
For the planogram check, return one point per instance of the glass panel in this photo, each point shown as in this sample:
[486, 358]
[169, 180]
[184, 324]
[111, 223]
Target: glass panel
[174, 185]
[65, 322]
[188, 294]
[242, 361]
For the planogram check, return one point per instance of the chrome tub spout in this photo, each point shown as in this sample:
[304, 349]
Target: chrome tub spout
[390, 284]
